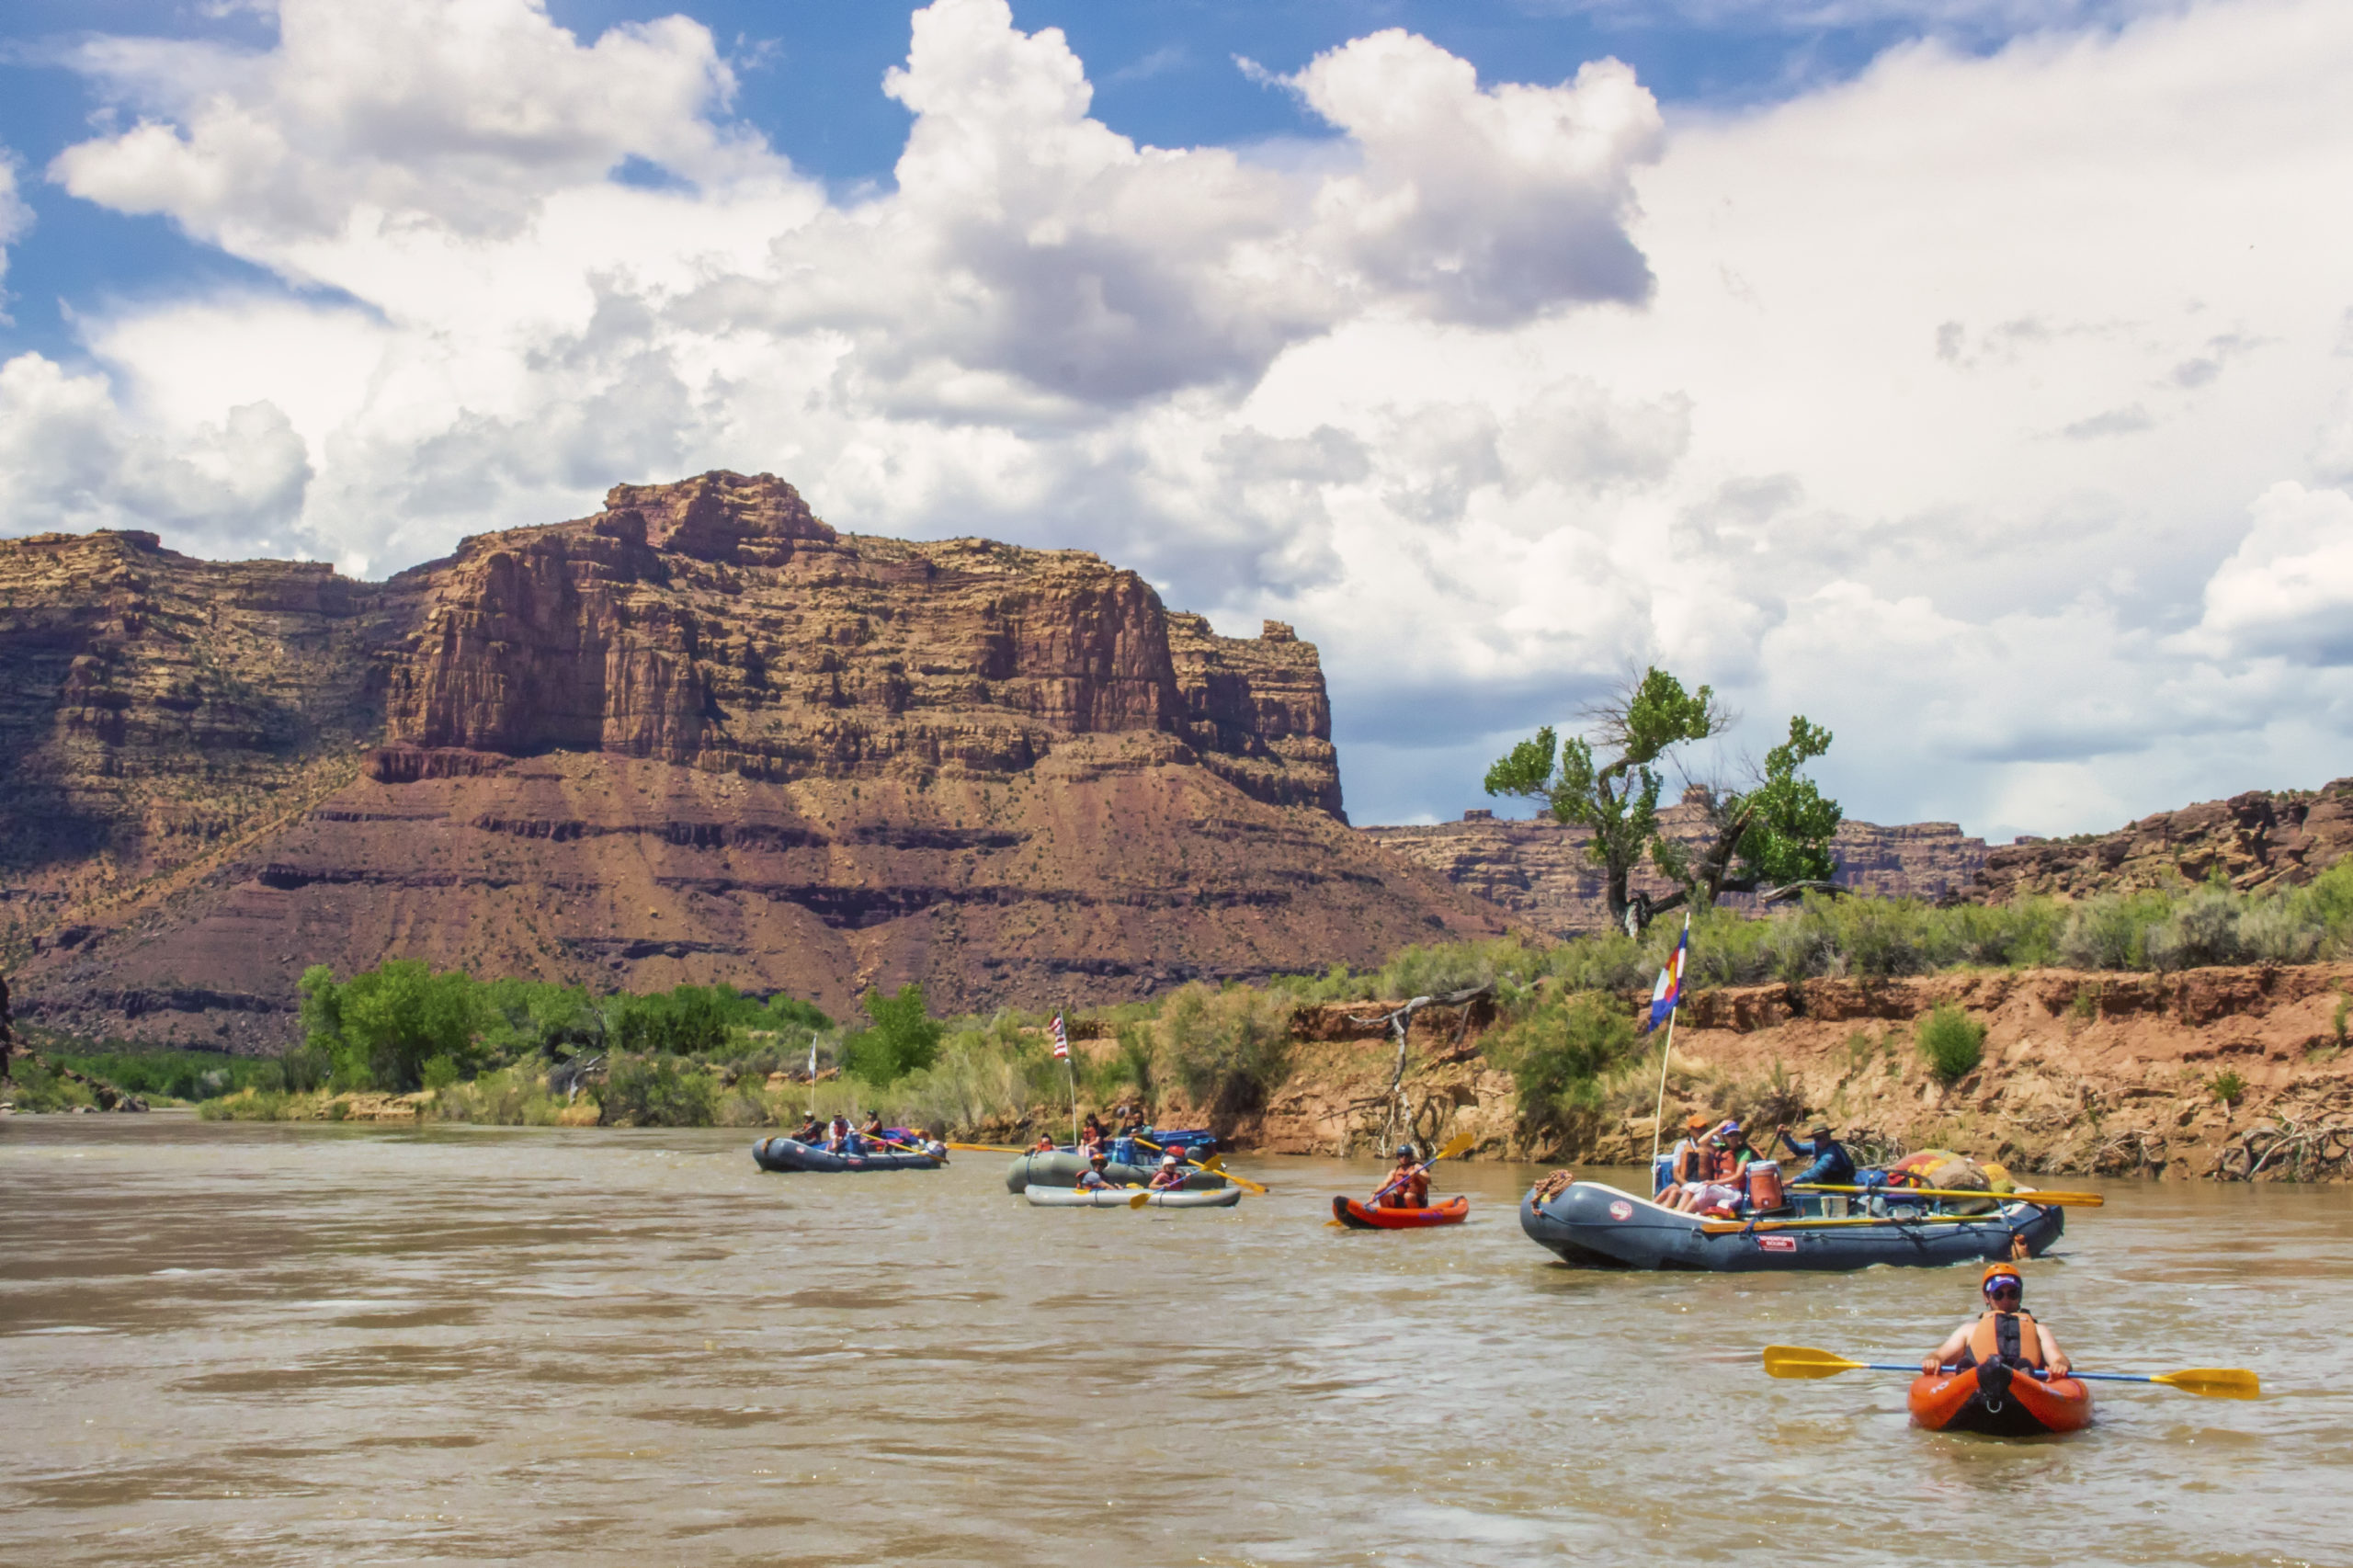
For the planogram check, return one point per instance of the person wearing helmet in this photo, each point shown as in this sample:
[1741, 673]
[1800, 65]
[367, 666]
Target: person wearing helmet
[1171, 1174]
[1092, 1179]
[2004, 1331]
[1408, 1185]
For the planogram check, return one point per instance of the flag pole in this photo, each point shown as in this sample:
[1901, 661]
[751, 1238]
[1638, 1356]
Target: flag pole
[1658, 1116]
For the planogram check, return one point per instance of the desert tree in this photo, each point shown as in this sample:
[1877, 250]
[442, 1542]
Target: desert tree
[1608, 779]
[1771, 838]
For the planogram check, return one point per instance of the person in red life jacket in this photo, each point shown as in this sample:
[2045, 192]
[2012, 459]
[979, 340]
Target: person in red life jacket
[872, 1131]
[1171, 1174]
[1408, 1185]
[838, 1136]
[1090, 1137]
[1092, 1179]
[1044, 1145]
[2004, 1331]
[1728, 1155]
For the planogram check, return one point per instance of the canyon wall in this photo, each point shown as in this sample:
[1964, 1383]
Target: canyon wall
[2260, 839]
[1540, 871]
[698, 736]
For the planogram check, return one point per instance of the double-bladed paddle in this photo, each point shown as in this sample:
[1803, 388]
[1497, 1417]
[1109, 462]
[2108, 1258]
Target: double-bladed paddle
[1214, 1164]
[2212, 1382]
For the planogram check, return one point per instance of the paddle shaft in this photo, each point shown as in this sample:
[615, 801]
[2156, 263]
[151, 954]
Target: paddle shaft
[1727, 1227]
[2047, 1200]
[1246, 1185]
[1454, 1148]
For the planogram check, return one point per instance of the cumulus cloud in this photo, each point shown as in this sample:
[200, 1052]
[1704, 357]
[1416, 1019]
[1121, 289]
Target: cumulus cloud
[15, 218]
[1931, 404]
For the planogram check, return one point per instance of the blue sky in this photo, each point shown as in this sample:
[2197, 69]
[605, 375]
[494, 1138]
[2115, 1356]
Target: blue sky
[1973, 375]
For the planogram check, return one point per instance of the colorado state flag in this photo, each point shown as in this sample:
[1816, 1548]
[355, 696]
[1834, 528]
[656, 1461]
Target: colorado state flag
[1670, 988]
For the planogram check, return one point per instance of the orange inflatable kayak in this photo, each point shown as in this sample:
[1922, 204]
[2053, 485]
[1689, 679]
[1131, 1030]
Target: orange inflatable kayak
[1359, 1216]
[1995, 1400]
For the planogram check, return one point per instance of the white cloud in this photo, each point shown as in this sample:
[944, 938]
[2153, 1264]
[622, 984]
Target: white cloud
[15, 218]
[1931, 404]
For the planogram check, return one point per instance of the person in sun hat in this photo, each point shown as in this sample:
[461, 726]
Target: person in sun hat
[2003, 1332]
[1832, 1165]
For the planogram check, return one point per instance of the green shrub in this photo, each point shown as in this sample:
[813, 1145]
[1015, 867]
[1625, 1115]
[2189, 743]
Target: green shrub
[382, 1024]
[656, 1091]
[1558, 1056]
[176, 1074]
[2202, 929]
[904, 1038]
[441, 1073]
[2227, 1086]
[1952, 1042]
[1227, 1048]
[35, 1086]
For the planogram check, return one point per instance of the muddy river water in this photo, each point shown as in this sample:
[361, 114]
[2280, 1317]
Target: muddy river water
[227, 1343]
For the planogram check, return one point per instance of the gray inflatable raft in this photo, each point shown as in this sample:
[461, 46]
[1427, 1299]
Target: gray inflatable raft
[1071, 1197]
[791, 1154]
[1600, 1227]
[1062, 1167]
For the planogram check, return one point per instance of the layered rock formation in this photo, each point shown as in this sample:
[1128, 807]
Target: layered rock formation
[1540, 871]
[2256, 840]
[696, 737]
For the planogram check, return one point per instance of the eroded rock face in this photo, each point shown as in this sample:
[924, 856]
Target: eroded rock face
[1539, 871]
[2256, 840]
[696, 737]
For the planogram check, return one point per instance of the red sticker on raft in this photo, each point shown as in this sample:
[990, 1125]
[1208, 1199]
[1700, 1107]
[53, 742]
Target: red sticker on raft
[1622, 1209]
[1777, 1244]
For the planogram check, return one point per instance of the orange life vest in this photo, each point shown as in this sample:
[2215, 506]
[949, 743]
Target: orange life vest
[2018, 1341]
[1414, 1192]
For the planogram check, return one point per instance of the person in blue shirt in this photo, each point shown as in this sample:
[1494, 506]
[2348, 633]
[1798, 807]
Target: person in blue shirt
[1833, 1167]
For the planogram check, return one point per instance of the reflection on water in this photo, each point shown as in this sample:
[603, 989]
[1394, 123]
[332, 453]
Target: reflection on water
[225, 1343]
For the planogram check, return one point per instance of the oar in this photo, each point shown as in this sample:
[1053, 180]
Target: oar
[990, 1148]
[2211, 1382]
[1214, 1164]
[1456, 1147]
[1726, 1227]
[2048, 1199]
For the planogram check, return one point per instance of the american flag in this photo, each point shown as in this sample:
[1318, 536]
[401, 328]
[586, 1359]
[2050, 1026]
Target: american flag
[1062, 1039]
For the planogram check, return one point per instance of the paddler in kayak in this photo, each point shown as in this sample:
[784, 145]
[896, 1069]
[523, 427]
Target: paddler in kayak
[1833, 1167]
[1170, 1175]
[1408, 1185]
[2005, 1332]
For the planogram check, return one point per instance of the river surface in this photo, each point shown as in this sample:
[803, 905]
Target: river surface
[231, 1344]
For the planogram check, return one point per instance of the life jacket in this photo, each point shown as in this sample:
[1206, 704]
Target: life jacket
[1724, 1166]
[1414, 1192]
[1691, 1161]
[2002, 1337]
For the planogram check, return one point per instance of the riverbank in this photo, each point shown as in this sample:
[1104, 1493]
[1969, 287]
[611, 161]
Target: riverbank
[2081, 1071]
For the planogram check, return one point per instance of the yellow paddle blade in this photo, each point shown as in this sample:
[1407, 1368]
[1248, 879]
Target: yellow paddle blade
[1214, 1163]
[2214, 1382]
[1457, 1147]
[1140, 1199]
[1803, 1361]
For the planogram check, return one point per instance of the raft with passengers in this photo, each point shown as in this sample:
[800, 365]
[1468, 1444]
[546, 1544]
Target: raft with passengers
[834, 1148]
[1719, 1206]
[1131, 1157]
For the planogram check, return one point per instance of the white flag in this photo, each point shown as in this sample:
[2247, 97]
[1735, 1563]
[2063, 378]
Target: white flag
[1061, 1041]
[813, 1058]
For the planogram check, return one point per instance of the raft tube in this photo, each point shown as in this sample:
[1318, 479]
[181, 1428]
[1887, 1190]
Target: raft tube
[1596, 1226]
[791, 1154]
[1061, 1168]
[1358, 1216]
[1043, 1197]
[1995, 1400]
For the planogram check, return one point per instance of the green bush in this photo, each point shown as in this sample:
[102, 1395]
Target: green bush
[35, 1086]
[177, 1074]
[382, 1024]
[904, 1038]
[1558, 1055]
[656, 1091]
[2227, 1086]
[1952, 1042]
[1227, 1048]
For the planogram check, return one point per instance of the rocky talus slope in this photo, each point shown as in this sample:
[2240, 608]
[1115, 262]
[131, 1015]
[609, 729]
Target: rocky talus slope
[1540, 871]
[2260, 839]
[698, 736]
[2087, 1073]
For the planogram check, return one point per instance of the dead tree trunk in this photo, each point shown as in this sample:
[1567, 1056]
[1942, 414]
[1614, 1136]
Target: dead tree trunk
[1399, 1022]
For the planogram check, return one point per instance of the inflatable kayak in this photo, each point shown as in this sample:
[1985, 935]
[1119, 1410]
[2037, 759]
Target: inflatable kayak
[1071, 1197]
[1060, 1168]
[791, 1154]
[1999, 1402]
[1358, 1216]
[1600, 1227]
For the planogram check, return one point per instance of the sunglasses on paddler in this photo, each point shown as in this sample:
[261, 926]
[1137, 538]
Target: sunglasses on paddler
[2005, 1287]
